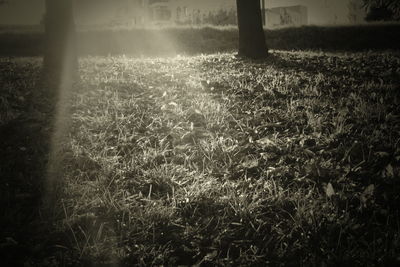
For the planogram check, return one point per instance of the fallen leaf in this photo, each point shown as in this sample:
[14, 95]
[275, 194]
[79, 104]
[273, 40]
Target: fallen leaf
[382, 154]
[265, 142]
[250, 164]
[329, 190]
[211, 256]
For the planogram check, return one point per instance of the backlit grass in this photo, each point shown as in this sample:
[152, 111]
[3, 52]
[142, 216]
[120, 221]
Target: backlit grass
[220, 161]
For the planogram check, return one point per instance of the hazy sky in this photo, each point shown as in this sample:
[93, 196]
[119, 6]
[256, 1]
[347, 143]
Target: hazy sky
[319, 11]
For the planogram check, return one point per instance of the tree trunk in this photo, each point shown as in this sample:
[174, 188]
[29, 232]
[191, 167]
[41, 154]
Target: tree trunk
[60, 61]
[60, 69]
[264, 21]
[251, 34]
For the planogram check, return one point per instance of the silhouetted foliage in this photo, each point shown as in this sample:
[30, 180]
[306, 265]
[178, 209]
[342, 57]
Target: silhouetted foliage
[379, 14]
[382, 10]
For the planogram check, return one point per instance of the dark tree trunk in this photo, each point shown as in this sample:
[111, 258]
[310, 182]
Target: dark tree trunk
[251, 34]
[264, 21]
[60, 59]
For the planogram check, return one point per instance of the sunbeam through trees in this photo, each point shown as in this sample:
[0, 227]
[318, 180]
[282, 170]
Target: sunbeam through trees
[199, 133]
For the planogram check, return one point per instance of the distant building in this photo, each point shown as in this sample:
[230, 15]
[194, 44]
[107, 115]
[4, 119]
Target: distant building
[356, 12]
[111, 12]
[192, 12]
[131, 13]
[154, 12]
[142, 13]
[286, 16]
[220, 12]
[161, 12]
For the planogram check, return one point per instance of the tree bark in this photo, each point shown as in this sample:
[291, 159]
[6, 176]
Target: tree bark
[251, 34]
[264, 22]
[60, 63]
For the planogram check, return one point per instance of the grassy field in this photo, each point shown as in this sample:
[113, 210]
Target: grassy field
[208, 160]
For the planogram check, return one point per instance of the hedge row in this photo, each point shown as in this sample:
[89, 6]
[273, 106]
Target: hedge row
[185, 40]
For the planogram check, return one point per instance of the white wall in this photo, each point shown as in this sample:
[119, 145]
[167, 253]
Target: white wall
[20, 12]
[320, 12]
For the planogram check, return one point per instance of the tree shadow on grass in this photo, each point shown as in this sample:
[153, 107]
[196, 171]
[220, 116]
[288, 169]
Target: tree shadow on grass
[24, 153]
[341, 63]
[372, 66]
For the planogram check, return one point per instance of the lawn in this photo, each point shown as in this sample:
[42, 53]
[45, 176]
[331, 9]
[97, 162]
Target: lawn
[208, 160]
